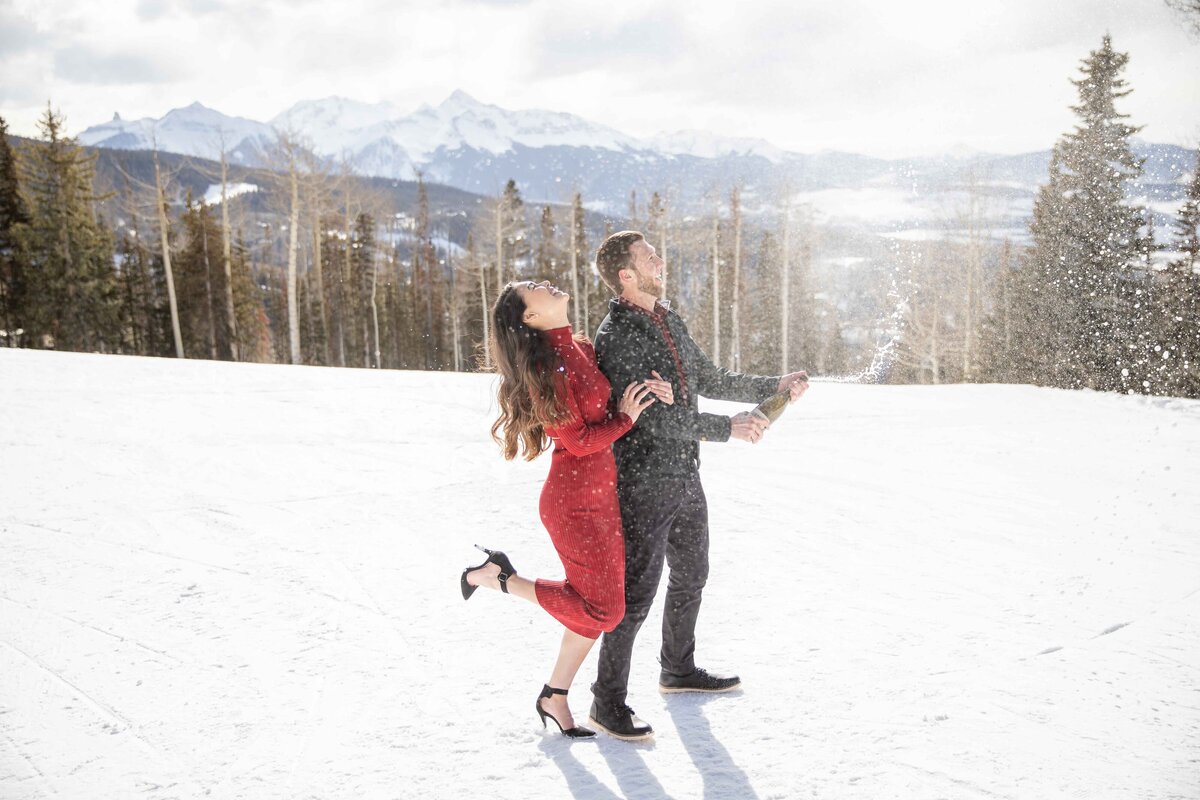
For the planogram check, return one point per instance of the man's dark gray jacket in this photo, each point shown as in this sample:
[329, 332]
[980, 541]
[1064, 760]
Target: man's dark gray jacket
[666, 439]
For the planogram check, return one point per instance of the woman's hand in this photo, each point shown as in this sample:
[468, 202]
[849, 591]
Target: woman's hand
[636, 399]
[661, 388]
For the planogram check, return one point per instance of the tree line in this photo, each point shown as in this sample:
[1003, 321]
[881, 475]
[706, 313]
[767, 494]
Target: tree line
[320, 267]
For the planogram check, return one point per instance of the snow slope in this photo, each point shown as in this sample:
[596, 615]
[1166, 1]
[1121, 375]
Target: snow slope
[227, 581]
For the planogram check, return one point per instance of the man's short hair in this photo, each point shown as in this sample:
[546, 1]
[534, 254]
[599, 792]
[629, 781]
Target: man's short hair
[613, 256]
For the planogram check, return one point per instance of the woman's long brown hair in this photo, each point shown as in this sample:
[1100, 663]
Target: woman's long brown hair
[530, 380]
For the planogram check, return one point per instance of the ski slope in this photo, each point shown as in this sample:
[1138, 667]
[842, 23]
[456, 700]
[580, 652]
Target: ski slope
[241, 581]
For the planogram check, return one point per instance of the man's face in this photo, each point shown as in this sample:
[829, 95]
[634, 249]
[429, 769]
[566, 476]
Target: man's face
[647, 267]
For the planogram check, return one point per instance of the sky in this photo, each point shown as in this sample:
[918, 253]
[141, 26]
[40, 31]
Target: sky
[880, 78]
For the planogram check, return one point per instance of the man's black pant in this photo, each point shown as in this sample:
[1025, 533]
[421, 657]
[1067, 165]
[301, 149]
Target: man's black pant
[667, 519]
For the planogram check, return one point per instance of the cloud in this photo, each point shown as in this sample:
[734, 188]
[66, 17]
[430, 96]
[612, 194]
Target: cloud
[882, 78]
[152, 10]
[18, 33]
[84, 65]
[564, 43]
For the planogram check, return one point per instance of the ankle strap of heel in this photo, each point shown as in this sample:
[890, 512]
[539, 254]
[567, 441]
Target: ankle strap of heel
[548, 690]
[503, 576]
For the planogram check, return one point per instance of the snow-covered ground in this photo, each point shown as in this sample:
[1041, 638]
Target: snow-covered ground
[225, 580]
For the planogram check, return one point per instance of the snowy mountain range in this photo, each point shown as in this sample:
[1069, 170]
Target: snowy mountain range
[477, 147]
[335, 126]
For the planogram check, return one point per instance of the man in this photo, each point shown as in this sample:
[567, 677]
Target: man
[663, 509]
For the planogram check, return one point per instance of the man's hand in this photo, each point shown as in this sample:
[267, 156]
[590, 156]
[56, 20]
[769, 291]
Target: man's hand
[747, 427]
[796, 383]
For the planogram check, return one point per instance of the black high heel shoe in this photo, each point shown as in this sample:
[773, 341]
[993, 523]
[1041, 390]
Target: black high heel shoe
[494, 557]
[577, 732]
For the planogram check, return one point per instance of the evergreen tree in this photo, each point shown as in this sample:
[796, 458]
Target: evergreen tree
[333, 248]
[362, 267]
[72, 296]
[144, 312]
[1177, 306]
[12, 216]
[1082, 290]
[253, 338]
[200, 285]
[548, 261]
[514, 233]
[429, 279]
[761, 318]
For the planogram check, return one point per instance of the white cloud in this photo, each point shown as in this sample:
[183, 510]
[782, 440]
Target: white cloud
[876, 77]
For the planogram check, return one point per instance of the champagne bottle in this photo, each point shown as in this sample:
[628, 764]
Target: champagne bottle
[773, 406]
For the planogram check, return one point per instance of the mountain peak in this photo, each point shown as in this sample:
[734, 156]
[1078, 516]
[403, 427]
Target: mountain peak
[459, 98]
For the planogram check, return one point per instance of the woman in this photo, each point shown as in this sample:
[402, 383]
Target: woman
[550, 387]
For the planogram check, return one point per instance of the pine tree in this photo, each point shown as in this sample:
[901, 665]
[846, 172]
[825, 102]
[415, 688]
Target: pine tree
[72, 296]
[761, 318]
[362, 270]
[12, 268]
[1177, 306]
[512, 235]
[143, 308]
[429, 279]
[1086, 243]
[548, 261]
[200, 284]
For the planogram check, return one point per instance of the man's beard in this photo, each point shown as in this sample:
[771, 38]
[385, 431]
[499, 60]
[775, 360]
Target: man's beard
[649, 286]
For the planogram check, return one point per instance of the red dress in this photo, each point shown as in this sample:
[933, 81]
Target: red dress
[579, 499]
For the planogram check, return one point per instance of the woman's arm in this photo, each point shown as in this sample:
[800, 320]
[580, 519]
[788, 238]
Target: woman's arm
[580, 438]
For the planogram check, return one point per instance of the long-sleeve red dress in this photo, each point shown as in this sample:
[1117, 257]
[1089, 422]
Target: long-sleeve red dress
[579, 499]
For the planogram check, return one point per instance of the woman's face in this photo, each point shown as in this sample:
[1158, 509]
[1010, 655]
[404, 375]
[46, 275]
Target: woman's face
[545, 305]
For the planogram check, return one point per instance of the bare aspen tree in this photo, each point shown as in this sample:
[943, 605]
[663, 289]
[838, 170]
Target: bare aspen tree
[499, 245]
[785, 285]
[716, 286]
[581, 266]
[455, 304]
[934, 351]
[350, 300]
[487, 335]
[928, 345]
[163, 227]
[289, 147]
[317, 187]
[735, 209]
[971, 220]
[656, 213]
[662, 248]
[374, 304]
[227, 257]
[580, 302]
